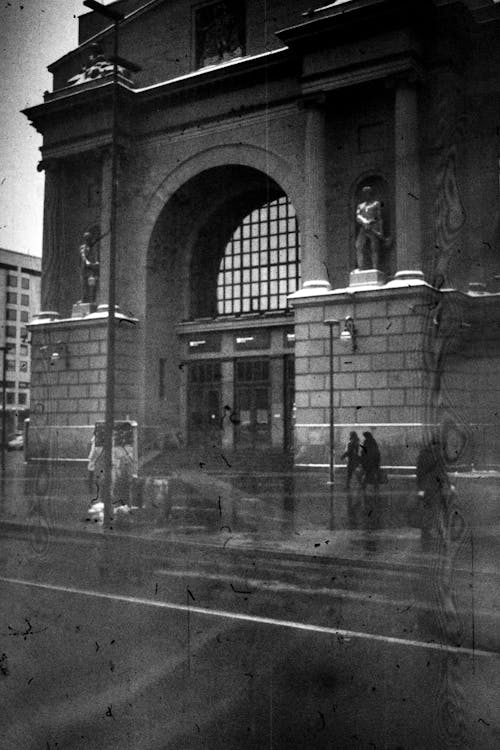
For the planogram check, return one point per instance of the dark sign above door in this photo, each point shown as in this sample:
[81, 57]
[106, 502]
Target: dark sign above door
[252, 339]
[205, 342]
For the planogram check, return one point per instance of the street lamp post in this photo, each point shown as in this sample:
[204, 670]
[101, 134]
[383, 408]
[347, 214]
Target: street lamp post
[116, 17]
[4, 350]
[331, 323]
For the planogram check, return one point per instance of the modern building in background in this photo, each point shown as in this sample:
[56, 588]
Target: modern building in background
[246, 143]
[20, 281]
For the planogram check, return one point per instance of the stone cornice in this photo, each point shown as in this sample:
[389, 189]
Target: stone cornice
[234, 323]
[73, 98]
[94, 319]
[96, 96]
[205, 79]
[354, 75]
[354, 17]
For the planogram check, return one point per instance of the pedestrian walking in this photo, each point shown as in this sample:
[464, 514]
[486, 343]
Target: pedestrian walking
[352, 454]
[370, 461]
[434, 488]
[94, 455]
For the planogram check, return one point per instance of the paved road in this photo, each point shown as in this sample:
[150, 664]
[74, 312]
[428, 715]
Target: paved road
[280, 643]
[91, 664]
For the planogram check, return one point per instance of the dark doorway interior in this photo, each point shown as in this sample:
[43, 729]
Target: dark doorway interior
[253, 404]
[204, 403]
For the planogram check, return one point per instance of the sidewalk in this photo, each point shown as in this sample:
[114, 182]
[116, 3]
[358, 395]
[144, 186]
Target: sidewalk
[288, 513]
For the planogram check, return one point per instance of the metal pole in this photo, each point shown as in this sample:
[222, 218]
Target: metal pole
[110, 362]
[4, 415]
[330, 324]
[332, 430]
[107, 494]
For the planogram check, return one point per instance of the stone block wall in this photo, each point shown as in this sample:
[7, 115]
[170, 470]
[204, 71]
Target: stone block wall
[69, 383]
[382, 386]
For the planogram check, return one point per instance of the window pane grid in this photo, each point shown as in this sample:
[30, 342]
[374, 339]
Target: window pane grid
[261, 264]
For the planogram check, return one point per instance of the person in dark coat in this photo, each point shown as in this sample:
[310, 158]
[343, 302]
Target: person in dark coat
[352, 454]
[433, 485]
[370, 460]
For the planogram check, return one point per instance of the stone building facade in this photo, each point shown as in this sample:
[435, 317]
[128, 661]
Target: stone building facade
[244, 143]
[19, 303]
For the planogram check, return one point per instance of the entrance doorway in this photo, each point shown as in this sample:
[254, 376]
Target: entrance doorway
[204, 403]
[253, 404]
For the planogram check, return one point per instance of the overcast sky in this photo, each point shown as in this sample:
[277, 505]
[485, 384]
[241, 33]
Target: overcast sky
[33, 34]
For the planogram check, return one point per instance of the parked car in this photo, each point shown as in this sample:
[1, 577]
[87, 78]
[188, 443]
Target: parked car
[15, 442]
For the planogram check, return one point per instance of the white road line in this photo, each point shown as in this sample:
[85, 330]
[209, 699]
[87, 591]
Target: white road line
[255, 619]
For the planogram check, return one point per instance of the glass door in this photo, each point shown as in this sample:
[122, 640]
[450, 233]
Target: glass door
[253, 407]
[204, 403]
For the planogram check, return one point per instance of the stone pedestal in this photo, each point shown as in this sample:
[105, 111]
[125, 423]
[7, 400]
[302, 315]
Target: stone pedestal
[383, 387]
[367, 277]
[81, 309]
[68, 391]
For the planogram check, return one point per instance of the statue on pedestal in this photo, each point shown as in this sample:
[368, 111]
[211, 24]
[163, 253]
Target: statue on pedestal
[370, 238]
[96, 66]
[89, 269]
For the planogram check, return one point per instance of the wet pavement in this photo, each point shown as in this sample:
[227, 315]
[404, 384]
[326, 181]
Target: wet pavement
[295, 513]
[247, 609]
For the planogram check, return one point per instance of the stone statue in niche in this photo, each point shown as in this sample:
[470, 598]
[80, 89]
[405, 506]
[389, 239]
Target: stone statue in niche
[370, 238]
[219, 33]
[89, 268]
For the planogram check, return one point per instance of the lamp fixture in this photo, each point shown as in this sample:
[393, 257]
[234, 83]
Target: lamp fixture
[349, 333]
[331, 323]
[56, 354]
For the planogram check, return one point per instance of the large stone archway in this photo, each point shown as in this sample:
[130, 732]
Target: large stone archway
[184, 253]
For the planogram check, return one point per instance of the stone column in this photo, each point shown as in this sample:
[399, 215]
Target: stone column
[314, 230]
[54, 260]
[407, 192]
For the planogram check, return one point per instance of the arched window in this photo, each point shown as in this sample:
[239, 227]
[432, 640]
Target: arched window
[261, 263]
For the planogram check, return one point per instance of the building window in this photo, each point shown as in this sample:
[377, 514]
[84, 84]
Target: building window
[25, 300]
[10, 332]
[24, 316]
[12, 298]
[22, 398]
[23, 384]
[11, 314]
[220, 32]
[11, 397]
[11, 279]
[261, 263]
[23, 366]
[25, 283]
[23, 350]
[11, 364]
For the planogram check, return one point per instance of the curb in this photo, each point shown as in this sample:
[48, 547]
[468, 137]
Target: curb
[153, 543]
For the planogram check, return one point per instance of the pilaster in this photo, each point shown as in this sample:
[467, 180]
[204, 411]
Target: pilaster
[105, 222]
[56, 271]
[315, 246]
[407, 179]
